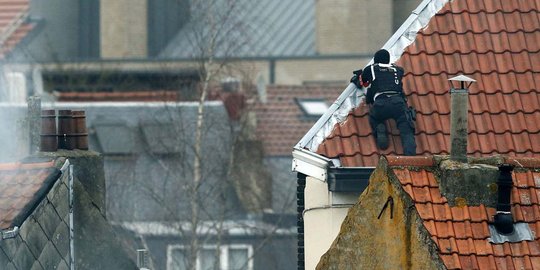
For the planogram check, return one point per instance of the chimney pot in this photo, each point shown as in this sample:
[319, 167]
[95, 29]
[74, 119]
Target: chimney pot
[65, 130]
[80, 131]
[48, 142]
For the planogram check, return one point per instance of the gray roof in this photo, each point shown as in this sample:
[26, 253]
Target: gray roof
[264, 28]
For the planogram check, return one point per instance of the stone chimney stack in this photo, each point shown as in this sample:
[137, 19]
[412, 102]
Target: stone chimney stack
[458, 118]
[124, 28]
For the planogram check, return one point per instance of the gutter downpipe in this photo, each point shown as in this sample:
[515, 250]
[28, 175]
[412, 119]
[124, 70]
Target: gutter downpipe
[68, 167]
[71, 223]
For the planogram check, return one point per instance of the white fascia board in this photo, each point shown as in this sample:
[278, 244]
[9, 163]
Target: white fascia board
[310, 164]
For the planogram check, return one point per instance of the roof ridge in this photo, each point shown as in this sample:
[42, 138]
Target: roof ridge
[498, 10]
[472, 51]
[471, 73]
[476, 93]
[453, 31]
[443, 152]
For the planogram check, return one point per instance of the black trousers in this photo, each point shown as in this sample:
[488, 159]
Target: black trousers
[394, 107]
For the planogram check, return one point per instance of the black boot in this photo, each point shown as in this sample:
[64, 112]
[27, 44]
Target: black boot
[381, 136]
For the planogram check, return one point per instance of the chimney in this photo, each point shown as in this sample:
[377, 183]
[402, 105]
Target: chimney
[34, 109]
[65, 130]
[458, 118]
[81, 133]
[70, 134]
[49, 142]
[503, 220]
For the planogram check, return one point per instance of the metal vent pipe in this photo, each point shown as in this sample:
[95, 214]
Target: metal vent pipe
[503, 220]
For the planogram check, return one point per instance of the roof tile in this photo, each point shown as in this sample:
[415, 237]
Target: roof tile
[468, 262]
[465, 246]
[451, 261]
[13, 27]
[21, 187]
[442, 212]
[425, 210]
[462, 233]
[498, 44]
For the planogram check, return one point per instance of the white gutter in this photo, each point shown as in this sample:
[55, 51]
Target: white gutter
[310, 163]
[352, 96]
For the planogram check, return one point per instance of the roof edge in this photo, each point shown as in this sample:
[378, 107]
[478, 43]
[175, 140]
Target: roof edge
[348, 100]
[417, 161]
[435, 160]
[310, 164]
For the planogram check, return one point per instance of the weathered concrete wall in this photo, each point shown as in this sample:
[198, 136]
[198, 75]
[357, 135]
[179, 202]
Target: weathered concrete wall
[89, 171]
[397, 240]
[468, 184]
[123, 27]
[97, 246]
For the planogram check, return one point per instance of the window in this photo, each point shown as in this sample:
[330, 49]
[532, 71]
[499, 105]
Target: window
[312, 107]
[231, 257]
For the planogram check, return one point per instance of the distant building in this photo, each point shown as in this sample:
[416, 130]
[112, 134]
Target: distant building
[148, 45]
[147, 150]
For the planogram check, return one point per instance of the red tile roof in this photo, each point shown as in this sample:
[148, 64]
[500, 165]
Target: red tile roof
[13, 25]
[280, 121]
[497, 43]
[22, 186]
[462, 232]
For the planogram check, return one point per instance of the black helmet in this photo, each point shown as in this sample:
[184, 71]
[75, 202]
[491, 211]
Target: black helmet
[382, 56]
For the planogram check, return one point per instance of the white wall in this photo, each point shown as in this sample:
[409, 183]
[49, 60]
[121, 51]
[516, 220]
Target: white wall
[324, 212]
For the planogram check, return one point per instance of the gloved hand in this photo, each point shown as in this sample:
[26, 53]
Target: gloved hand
[356, 78]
